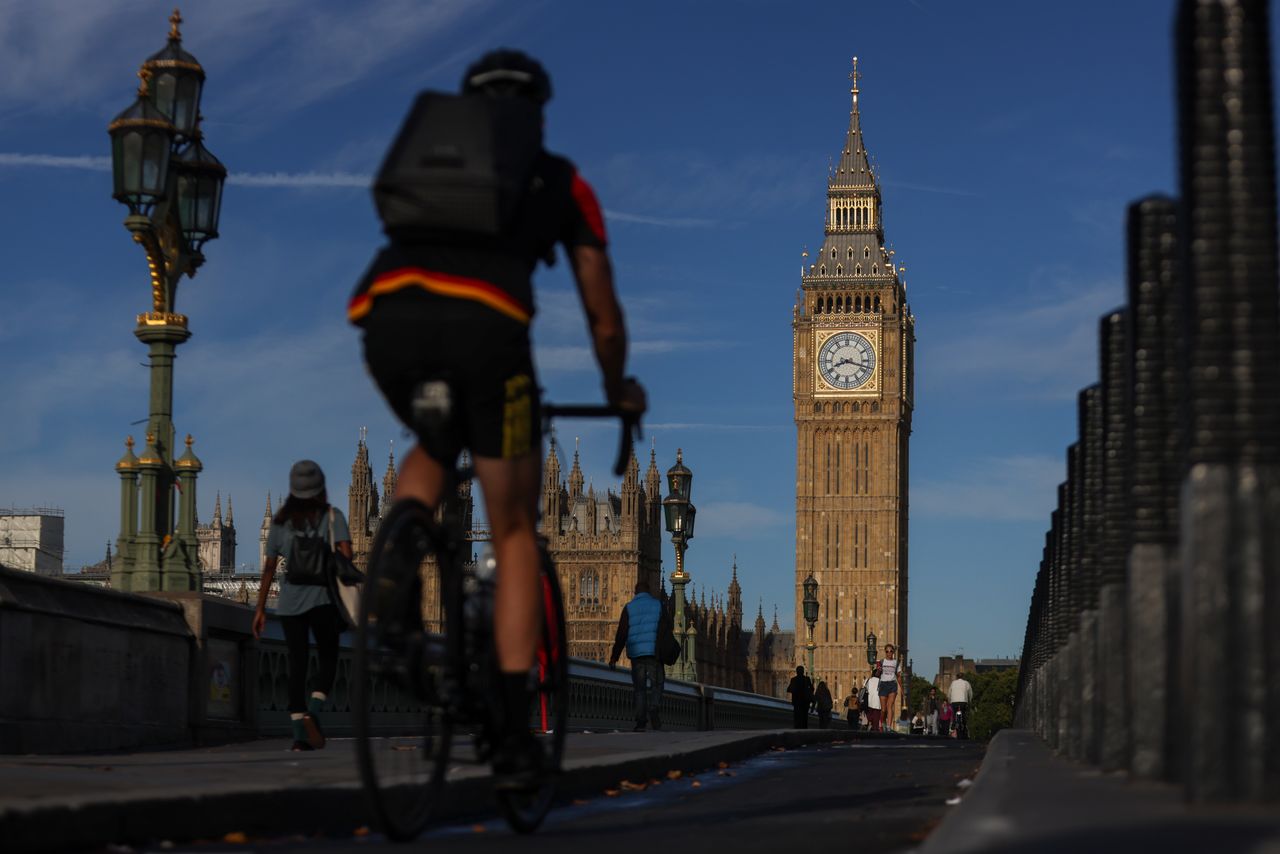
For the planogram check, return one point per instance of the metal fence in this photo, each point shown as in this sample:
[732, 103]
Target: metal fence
[1153, 639]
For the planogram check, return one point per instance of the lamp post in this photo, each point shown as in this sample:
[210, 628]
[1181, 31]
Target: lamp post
[172, 187]
[871, 649]
[810, 605]
[680, 514]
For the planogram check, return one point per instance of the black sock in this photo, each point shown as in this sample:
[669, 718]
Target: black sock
[515, 698]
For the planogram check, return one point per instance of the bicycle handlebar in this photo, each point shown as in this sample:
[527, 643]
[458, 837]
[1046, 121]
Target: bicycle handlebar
[630, 425]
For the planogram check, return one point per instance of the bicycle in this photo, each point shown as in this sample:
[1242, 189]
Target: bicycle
[451, 667]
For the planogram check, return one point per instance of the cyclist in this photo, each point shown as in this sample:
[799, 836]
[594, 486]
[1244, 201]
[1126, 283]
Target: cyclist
[434, 305]
[961, 695]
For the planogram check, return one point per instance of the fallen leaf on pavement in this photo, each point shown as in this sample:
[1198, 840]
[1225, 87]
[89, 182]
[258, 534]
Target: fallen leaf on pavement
[675, 775]
[633, 787]
[235, 837]
[724, 773]
[722, 764]
[611, 793]
[695, 784]
[360, 831]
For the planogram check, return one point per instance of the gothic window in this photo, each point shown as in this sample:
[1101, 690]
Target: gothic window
[589, 592]
[875, 269]
[817, 408]
[850, 253]
[822, 271]
[833, 252]
[839, 269]
[866, 252]
[857, 304]
[877, 305]
[858, 270]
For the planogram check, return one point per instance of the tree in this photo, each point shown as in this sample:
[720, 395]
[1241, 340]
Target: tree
[992, 706]
[920, 688]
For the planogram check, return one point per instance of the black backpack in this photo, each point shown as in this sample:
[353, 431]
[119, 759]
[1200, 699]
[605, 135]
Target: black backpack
[460, 164]
[309, 558]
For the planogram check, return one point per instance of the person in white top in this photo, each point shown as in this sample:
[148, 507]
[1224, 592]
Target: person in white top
[888, 684]
[961, 695]
[873, 701]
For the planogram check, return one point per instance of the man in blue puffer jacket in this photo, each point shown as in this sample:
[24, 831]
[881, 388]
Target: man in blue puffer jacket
[638, 629]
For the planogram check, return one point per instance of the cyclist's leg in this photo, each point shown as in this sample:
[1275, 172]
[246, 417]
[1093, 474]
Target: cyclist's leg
[510, 488]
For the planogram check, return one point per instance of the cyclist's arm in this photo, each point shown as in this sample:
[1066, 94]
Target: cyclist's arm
[594, 276]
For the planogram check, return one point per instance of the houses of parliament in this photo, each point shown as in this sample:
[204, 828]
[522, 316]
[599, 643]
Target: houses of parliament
[602, 542]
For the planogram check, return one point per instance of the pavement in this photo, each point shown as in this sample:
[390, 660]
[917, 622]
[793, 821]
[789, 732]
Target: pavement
[1025, 799]
[259, 788]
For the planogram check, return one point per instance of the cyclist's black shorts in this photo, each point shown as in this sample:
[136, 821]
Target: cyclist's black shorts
[484, 355]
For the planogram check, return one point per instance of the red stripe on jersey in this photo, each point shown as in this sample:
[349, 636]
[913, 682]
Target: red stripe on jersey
[586, 199]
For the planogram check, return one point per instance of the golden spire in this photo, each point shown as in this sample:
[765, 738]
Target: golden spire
[854, 76]
[174, 21]
[144, 74]
[128, 442]
[189, 440]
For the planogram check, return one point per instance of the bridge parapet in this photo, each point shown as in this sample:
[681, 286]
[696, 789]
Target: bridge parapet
[1153, 638]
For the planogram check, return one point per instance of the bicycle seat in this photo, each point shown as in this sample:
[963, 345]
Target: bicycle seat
[434, 417]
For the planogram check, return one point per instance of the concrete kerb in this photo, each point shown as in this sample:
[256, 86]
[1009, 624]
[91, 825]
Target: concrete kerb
[341, 808]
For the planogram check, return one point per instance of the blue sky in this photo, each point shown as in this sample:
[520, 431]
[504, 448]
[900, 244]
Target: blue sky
[1009, 138]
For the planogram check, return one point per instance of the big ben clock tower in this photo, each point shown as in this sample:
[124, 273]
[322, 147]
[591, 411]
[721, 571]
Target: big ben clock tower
[853, 340]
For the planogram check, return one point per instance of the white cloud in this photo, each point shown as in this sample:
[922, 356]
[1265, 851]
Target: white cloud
[740, 519]
[1018, 488]
[1045, 349]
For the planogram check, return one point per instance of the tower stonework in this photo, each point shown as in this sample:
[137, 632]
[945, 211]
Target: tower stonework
[853, 347]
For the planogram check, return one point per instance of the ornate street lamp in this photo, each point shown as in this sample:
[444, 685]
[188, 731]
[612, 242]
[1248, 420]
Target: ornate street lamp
[680, 514]
[871, 649]
[172, 187]
[810, 606]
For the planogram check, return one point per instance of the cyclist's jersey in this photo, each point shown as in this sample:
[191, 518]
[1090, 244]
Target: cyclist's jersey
[560, 207]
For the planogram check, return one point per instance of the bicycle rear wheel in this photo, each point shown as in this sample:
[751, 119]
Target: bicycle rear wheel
[525, 810]
[402, 762]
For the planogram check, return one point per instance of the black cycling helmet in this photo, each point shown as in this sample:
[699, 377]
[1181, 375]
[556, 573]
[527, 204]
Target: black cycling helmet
[506, 73]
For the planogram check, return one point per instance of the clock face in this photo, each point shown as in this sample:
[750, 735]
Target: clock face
[846, 360]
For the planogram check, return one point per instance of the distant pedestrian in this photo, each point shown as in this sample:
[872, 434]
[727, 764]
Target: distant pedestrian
[300, 535]
[931, 712]
[889, 684]
[801, 690]
[873, 701]
[917, 723]
[944, 719]
[822, 702]
[851, 709]
[638, 627]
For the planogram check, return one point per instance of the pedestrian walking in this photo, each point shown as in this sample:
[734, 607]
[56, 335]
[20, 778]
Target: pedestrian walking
[300, 534]
[888, 684]
[801, 690]
[944, 719]
[638, 628]
[851, 709]
[823, 703]
[872, 707]
[931, 712]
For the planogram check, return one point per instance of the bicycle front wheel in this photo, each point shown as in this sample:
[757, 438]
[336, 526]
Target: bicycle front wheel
[403, 758]
[525, 810]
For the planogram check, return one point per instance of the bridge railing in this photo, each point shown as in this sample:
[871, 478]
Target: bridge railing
[1153, 639]
[599, 698]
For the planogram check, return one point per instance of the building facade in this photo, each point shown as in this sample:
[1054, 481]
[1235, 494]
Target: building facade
[31, 540]
[217, 541]
[853, 344]
[602, 542]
